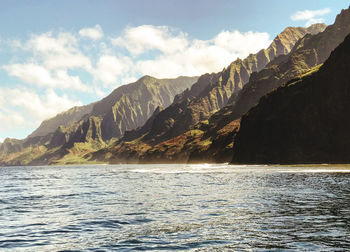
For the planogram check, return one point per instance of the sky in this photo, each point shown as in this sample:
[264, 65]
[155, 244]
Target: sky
[56, 54]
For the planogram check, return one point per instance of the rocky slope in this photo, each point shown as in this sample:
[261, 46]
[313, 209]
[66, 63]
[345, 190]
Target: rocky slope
[180, 133]
[63, 119]
[305, 121]
[122, 99]
[193, 146]
[131, 105]
[309, 52]
[212, 91]
[126, 108]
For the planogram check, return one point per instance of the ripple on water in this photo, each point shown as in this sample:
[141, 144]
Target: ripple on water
[175, 207]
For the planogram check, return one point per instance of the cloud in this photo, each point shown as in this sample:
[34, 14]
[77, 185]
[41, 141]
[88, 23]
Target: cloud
[159, 51]
[110, 68]
[50, 63]
[100, 94]
[94, 33]
[14, 43]
[42, 77]
[21, 107]
[61, 51]
[12, 121]
[140, 39]
[310, 16]
[178, 54]
[242, 44]
[52, 57]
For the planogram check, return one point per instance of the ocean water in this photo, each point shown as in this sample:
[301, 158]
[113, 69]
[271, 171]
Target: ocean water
[174, 207]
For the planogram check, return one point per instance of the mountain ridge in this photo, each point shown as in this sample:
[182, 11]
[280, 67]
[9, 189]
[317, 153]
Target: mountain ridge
[150, 144]
[212, 91]
[130, 105]
[62, 119]
[308, 52]
[310, 124]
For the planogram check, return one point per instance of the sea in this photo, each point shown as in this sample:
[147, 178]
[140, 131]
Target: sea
[201, 207]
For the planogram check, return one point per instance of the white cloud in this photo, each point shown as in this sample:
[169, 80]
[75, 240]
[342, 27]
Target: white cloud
[22, 107]
[100, 94]
[52, 61]
[127, 80]
[14, 43]
[310, 16]
[58, 52]
[110, 68]
[52, 57]
[143, 38]
[40, 76]
[94, 33]
[12, 120]
[181, 55]
[174, 53]
[242, 44]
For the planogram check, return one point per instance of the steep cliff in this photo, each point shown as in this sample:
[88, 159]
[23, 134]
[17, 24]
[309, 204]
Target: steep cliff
[304, 121]
[63, 119]
[212, 91]
[308, 52]
[130, 107]
[126, 108]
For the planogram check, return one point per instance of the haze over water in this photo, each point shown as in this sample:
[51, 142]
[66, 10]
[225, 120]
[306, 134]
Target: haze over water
[184, 207]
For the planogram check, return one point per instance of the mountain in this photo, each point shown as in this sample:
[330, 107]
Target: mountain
[308, 52]
[63, 119]
[126, 108]
[155, 120]
[131, 105]
[212, 91]
[179, 132]
[304, 121]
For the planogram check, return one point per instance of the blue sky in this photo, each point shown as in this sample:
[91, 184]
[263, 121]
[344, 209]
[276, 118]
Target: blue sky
[58, 54]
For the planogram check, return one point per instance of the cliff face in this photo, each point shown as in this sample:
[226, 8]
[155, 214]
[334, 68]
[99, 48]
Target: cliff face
[212, 91]
[134, 105]
[305, 121]
[193, 146]
[308, 52]
[126, 108]
[63, 119]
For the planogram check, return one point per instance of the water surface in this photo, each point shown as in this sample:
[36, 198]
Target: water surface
[169, 207]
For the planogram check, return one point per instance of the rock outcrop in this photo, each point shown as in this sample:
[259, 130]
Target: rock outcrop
[308, 52]
[63, 119]
[304, 121]
[91, 127]
[212, 91]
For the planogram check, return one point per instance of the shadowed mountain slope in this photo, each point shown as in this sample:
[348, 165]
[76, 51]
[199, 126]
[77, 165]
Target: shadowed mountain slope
[174, 134]
[212, 91]
[309, 52]
[126, 108]
[305, 121]
[62, 119]
[130, 106]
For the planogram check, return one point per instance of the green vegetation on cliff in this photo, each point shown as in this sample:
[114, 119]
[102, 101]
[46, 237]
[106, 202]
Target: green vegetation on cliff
[308, 52]
[86, 129]
[212, 91]
[304, 121]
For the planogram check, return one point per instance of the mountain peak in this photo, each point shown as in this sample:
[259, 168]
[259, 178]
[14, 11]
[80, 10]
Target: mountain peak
[146, 77]
[343, 18]
[316, 28]
[304, 121]
[285, 41]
